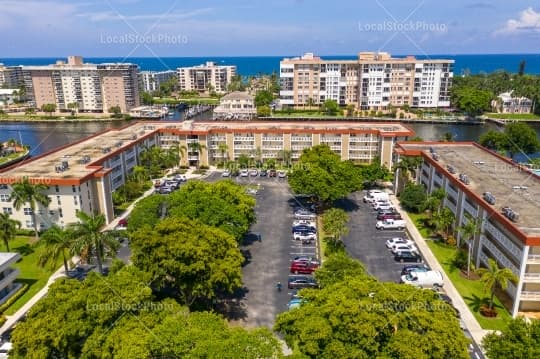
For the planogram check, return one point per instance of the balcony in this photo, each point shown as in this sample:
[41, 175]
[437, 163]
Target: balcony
[330, 139]
[244, 138]
[532, 277]
[301, 139]
[535, 296]
[244, 147]
[363, 139]
[335, 148]
[363, 148]
[218, 138]
[533, 258]
[278, 139]
[9, 276]
[192, 140]
[272, 147]
[193, 158]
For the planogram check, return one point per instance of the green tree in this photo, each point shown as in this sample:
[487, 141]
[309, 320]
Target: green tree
[473, 101]
[285, 156]
[189, 257]
[375, 172]
[494, 140]
[337, 267]
[413, 197]
[263, 98]
[8, 228]
[116, 111]
[25, 192]
[48, 108]
[520, 339]
[330, 107]
[56, 242]
[89, 238]
[334, 223]
[147, 98]
[243, 161]
[522, 138]
[223, 151]
[196, 148]
[494, 277]
[467, 232]
[435, 200]
[147, 211]
[73, 106]
[407, 166]
[443, 221]
[263, 111]
[322, 173]
[360, 317]
[140, 174]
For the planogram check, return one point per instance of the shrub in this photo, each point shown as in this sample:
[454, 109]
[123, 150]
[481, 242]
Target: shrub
[25, 232]
[460, 259]
[451, 241]
[204, 167]
[13, 299]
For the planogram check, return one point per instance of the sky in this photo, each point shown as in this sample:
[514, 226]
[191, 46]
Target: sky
[170, 28]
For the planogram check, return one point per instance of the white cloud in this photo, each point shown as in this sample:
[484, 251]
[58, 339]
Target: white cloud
[118, 16]
[528, 22]
[35, 14]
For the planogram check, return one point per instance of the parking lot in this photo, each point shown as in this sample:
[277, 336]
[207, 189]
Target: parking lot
[367, 244]
[269, 259]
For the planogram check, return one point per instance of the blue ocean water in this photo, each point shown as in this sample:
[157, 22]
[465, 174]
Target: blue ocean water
[253, 65]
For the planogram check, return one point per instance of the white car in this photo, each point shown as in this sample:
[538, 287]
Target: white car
[253, 173]
[180, 178]
[226, 173]
[393, 241]
[281, 174]
[404, 248]
[244, 173]
[304, 237]
[4, 350]
[300, 222]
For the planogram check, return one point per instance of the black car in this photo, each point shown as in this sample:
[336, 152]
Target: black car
[407, 256]
[272, 173]
[263, 173]
[414, 268]
[304, 228]
[300, 281]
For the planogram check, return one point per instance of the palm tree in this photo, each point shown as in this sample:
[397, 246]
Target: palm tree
[8, 229]
[57, 242]
[493, 277]
[285, 156]
[468, 231]
[223, 148]
[443, 220]
[196, 147]
[408, 165]
[90, 239]
[25, 192]
[139, 174]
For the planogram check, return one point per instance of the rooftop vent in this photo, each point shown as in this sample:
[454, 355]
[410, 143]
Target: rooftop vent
[435, 156]
[510, 214]
[451, 169]
[84, 159]
[489, 198]
[61, 167]
[134, 136]
[65, 164]
[118, 144]
[464, 178]
[105, 150]
[431, 150]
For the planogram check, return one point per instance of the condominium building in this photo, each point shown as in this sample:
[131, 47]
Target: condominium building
[151, 80]
[82, 176]
[236, 106]
[93, 88]
[8, 287]
[502, 195]
[205, 77]
[374, 81]
[11, 76]
[507, 103]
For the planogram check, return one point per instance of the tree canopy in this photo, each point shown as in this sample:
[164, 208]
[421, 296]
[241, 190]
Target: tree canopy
[188, 257]
[517, 137]
[473, 101]
[322, 173]
[119, 318]
[520, 339]
[355, 316]
[413, 197]
[263, 98]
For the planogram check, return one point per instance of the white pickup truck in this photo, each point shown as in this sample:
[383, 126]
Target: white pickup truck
[390, 224]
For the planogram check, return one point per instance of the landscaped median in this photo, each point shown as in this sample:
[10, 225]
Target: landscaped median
[472, 291]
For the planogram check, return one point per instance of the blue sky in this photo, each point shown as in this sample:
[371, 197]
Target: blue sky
[41, 28]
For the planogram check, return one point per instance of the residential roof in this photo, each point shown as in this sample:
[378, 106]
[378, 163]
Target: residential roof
[237, 95]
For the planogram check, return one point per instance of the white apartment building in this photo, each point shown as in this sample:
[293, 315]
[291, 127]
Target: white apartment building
[93, 88]
[372, 82]
[467, 171]
[83, 175]
[202, 77]
[8, 275]
[235, 106]
[151, 80]
[507, 103]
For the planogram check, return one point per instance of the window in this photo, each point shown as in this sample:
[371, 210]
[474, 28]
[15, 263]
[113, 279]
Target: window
[28, 211]
[8, 210]
[75, 202]
[60, 213]
[57, 189]
[58, 200]
[73, 188]
[51, 213]
[4, 198]
[29, 224]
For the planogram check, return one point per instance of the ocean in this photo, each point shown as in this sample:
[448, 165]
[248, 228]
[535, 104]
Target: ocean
[253, 65]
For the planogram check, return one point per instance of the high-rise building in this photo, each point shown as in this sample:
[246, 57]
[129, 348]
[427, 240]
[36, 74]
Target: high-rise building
[204, 77]
[93, 88]
[11, 76]
[374, 81]
[151, 80]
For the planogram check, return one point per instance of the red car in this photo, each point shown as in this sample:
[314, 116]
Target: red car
[298, 267]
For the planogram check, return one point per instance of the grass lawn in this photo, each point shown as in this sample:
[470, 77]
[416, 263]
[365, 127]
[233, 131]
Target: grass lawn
[418, 220]
[472, 291]
[513, 116]
[30, 272]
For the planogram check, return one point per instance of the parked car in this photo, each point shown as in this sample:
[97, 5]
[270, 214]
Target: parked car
[404, 248]
[429, 279]
[157, 183]
[392, 241]
[299, 282]
[244, 173]
[252, 191]
[383, 216]
[272, 173]
[295, 303]
[4, 350]
[263, 173]
[374, 195]
[308, 259]
[303, 267]
[226, 173]
[172, 184]
[398, 224]
[383, 205]
[253, 172]
[165, 190]
[123, 222]
[407, 256]
[180, 178]
[304, 222]
[304, 228]
[281, 174]
[414, 268]
[305, 237]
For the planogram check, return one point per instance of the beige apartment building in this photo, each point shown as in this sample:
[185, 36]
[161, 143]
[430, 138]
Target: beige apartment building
[94, 88]
[202, 77]
[374, 81]
[83, 175]
[502, 195]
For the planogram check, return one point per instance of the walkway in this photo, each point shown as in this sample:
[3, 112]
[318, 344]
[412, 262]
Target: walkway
[12, 319]
[467, 317]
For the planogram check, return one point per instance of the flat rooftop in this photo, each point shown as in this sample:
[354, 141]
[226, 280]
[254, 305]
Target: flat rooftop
[85, 156]
[512, 185]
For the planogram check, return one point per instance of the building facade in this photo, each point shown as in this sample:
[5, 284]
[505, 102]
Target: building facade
[150, 81]
[508, 215]
[204, 77]
[374, 81]
[11, 77]
[506, 103]
[92, 88]
[236, 106]
[8, 287]
[83, 175]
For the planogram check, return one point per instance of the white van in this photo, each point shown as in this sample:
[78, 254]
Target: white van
[376, 196]
[429, 279]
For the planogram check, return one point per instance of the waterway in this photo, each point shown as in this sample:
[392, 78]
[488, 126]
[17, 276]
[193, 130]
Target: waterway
[43, 137]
